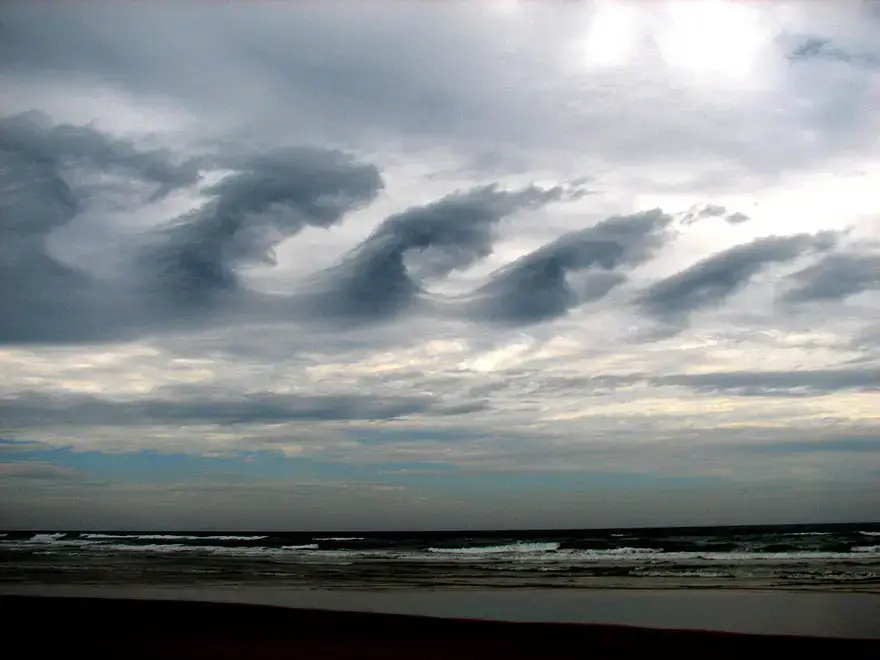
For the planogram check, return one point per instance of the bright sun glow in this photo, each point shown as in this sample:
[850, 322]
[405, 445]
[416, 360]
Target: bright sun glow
[711, 39]
[610, 36]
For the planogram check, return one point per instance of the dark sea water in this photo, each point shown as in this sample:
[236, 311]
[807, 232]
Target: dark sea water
[843, 557]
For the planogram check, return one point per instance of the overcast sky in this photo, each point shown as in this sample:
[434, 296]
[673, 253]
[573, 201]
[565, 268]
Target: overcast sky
[439, 265]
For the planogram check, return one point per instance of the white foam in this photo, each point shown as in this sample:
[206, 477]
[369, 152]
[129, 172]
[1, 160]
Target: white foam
[720, 557]
[173, 548]
[866, 548]
[170, 548]
[163, 537]
[870, 533]
[46, 538]
[498, 549]
[628, 551]
[685, 573]
[107, 536]
[339, 538]
[159, 547]
[173, 537]
[810, 534]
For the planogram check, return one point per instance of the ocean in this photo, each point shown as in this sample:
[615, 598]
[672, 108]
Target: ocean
[838, 557]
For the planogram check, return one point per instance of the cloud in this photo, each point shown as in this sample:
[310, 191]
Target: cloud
[34, 200]
[713, 279]
[867, 444]
[263, 199]
[836, 277]
[819, 48]
[737, 217]
[270, 198]
[536, 288]
[37, 162]
[798, 382]
[15, 446]
[380, 278]
[37, 470]
[768, 383]
[698, 213]
[33, 409]
[68, 148]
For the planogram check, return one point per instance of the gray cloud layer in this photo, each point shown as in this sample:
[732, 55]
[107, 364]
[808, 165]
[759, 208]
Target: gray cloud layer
[34, 409]
[746, 382]
[801, 382]
[37, 470]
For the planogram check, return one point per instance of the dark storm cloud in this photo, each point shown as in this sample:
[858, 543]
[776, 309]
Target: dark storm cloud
[711, 281]
[380, 277]
[798, 382]
[271, 198]
[836, 277]
[35, 409]
[536, 287]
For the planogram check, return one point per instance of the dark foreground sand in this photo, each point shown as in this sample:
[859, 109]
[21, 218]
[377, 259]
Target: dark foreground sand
[114, 628]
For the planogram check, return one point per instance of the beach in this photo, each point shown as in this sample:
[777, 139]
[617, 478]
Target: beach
[133, 628]
[592, 593]
[756, 612]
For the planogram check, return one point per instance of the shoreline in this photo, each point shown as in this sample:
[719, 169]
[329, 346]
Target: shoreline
[120, 627]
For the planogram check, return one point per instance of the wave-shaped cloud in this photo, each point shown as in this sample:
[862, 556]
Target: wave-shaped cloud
[713, 280]
[836, 277]
[379, 278]
[188, 272]
[42, 298]
[535, 287]
[271, 198]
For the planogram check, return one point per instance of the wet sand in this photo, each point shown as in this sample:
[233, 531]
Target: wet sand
[778, 612]
[132, 628]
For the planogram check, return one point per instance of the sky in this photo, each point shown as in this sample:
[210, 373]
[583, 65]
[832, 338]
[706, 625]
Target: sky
[387, 265]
